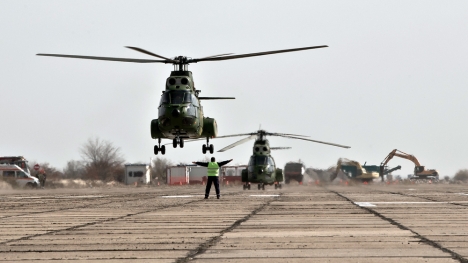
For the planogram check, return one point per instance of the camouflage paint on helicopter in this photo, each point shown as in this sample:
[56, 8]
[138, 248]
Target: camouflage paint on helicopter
[262, 168]
[180, 114]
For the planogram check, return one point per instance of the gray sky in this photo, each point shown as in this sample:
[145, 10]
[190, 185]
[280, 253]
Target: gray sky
[394, 76]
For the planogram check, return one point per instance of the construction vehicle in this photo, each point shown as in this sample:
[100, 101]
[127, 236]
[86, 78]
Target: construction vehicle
[294, 171]
[355, 171]
[420, 171]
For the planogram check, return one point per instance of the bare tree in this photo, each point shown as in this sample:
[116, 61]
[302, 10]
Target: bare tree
[102, 160]
[74, 169]
[158, 168]
[461, 175]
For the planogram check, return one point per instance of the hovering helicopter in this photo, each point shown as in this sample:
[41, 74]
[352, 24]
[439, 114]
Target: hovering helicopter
[180, 114]
[262, 168]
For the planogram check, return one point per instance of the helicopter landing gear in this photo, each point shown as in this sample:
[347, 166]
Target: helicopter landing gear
[178, 141]
[158, 148]
[277, 186]
[207, 147]
[261, 186]
[246, 186]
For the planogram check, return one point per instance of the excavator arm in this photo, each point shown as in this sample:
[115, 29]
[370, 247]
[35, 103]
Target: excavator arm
[400, 154]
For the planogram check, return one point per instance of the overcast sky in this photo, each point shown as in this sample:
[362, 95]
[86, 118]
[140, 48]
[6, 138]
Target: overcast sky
[394, 76]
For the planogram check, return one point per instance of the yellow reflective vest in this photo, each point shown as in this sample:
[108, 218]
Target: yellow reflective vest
[213, 169]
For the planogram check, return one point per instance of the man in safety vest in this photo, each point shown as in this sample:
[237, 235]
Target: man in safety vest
[213, 173]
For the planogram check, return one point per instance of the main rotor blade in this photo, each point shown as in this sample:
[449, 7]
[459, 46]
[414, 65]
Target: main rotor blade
[107, 58]
[281, 134]
[218, 55]
[253, 54]
[150, 53]
[216, 98]
[237, 143]
[328, 143]
[280, 148]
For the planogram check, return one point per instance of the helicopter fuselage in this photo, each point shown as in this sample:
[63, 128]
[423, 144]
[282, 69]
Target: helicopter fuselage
[180, 114]
[262, 168]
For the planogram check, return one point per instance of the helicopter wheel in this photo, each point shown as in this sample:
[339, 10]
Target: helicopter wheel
[181, 142]
[163, 149]
[243, 187]
[259, 186]
[156, 150]
[211, 148]
[279, 186]
[248, 186]
[174, 143]
[204, 149]
[263, 187]
[276, 186]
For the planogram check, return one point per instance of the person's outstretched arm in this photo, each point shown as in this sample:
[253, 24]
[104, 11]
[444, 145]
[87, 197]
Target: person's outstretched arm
[201, 164]
[224, 163]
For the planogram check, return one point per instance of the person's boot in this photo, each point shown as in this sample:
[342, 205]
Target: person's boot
[206, 197]
[217, 196]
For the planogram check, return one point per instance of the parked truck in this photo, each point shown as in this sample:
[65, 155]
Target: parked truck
[294, 171]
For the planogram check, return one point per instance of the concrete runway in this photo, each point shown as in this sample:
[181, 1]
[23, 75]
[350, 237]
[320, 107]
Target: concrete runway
[365, 223]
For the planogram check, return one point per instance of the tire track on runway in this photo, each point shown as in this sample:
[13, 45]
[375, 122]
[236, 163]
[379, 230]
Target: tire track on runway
[202, 248]
[422, 197]
[100, 221]
[423, 239]
[118, 198]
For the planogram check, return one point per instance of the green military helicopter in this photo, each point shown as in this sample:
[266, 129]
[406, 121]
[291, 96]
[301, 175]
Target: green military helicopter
[180, 113]
[262, 168]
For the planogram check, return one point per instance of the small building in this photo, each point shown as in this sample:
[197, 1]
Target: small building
[197, 174]
[139, 173]
[178, 175]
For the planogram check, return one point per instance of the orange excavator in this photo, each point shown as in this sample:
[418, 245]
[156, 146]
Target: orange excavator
[420, 172]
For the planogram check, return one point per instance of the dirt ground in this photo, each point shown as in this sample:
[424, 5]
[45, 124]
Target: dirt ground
[354, 223]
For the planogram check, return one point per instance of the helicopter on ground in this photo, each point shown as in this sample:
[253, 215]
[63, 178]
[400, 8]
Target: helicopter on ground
[262, 169]
[180, 114]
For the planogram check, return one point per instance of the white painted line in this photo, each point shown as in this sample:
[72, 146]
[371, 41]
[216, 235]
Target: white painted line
[399, 203]
[364, 204]
[410, 202]
[411, 189]
[177, 196]
[57, 197]
[461, 194]
[264, 195]
[79, 196]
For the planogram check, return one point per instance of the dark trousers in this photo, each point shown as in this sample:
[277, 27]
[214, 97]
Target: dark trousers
[215, 180]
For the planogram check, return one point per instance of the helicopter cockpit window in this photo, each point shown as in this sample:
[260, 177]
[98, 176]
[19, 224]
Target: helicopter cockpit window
[191, 111]
[251, 164]
[261, 160]
[271, 161]
[180, 97]
[165, 98]
[176, 97]
[195, 101]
